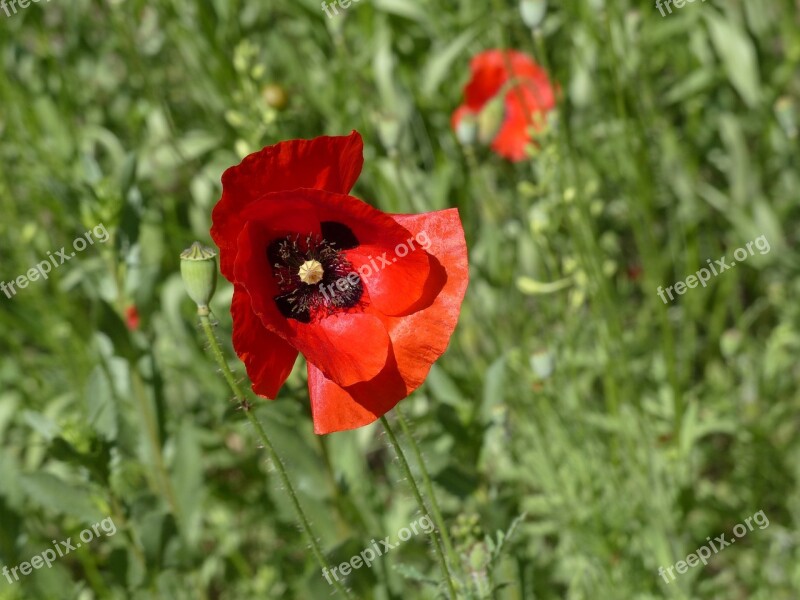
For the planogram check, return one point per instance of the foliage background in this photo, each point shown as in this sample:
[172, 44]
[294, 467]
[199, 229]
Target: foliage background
[625, 431]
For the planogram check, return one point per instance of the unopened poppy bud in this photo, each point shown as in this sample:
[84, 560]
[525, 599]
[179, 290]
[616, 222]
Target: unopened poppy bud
[199, 273]
[275, 96]
[543, 363]
[466, 130]
[491, 118]
[533, 12]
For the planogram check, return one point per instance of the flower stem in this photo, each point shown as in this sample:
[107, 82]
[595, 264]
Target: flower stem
[437, 546]
[426, 481]
[161, 476]
[276, 460]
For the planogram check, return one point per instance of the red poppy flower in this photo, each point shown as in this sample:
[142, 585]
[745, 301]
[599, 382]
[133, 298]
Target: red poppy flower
[522, 86]
[132, 318]
[370, 299]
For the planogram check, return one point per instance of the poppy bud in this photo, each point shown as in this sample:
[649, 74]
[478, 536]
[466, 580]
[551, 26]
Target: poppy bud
[199, 274]
[466, 129]
[533, 12]
[491, 118]
[542, 363]
[275, 96]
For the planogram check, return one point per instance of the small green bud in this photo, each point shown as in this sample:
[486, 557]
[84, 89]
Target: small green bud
[543, 363]
[533, 12]
[199, 273]
[491, 118]
[275, 96]
[466, 130]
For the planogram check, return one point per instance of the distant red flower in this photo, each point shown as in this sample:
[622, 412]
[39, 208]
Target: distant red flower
[634, 271]
[524, 89]
[370, 299]
[132, 318]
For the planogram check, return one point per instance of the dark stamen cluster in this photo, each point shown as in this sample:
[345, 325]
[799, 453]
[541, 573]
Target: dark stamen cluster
[304, 301]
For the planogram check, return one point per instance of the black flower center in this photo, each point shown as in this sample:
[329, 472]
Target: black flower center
[313, 275]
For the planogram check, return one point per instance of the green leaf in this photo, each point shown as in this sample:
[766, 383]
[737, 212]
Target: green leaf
[101, 408]
[441, 63]
[738, 56]
[54, 494]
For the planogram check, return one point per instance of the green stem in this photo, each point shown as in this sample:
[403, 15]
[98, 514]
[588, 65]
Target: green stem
[426, 481]
[644, 206]
[276, 460]
[151, 427]
[437, 546]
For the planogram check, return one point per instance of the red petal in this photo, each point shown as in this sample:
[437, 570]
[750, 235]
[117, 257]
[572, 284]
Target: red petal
[493, 68]
[334, 409]
[329, 163]
[488, 76]
[397, 287]
[132, 318]
[266, 356]
[417, 340]
[523, 104]
[347, 347]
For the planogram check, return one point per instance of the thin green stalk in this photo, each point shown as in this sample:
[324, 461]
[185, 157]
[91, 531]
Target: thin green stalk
[345, 506]
[588, 249]
[276, 460]
[151, 427]
[437, 546]
[426, 481]
[651, 255]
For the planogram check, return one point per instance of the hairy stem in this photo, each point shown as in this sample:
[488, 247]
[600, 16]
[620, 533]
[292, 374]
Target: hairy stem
[426, 481]
[276, 460]
[437, 546]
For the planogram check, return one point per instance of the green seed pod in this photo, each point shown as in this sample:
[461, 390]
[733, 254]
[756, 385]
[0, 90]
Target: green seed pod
[199, 273]
[275, 96]
[466, 130]
[491, 118]
[533, 12]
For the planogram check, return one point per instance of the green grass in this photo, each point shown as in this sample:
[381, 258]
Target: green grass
[608, 433]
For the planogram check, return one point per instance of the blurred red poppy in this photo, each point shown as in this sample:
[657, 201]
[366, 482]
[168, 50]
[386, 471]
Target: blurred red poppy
[370, 299]
[507, 94]
[132, 318]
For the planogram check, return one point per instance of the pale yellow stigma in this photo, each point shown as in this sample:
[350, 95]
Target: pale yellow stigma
[311, 272]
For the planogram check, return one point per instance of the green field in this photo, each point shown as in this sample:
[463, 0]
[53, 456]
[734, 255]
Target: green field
[582, 431]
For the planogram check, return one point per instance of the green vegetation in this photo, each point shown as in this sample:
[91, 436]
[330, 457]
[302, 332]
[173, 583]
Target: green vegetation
[579, 432]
